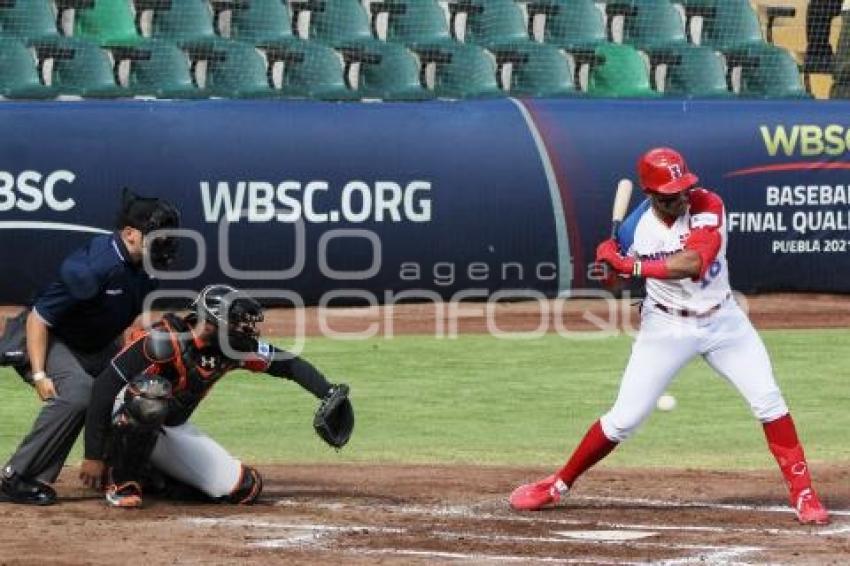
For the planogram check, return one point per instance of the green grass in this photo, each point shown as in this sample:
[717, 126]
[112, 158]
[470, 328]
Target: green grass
[478, 399]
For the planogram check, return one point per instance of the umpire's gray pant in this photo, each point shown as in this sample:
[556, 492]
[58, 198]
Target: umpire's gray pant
[44, 450]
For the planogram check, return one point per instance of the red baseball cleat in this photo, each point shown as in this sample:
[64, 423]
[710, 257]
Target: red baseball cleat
[128, 495]
[533, 496]
[810, 511]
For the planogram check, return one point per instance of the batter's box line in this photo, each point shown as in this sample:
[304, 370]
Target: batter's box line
[475, 512]
[713, 554]
[660, 503]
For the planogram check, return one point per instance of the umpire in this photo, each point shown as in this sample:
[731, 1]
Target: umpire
[72, 331]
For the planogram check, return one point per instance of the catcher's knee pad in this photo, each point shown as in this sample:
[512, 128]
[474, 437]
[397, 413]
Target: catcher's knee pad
[249, 488]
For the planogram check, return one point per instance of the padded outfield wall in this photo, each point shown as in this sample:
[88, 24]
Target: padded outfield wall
[441, 197]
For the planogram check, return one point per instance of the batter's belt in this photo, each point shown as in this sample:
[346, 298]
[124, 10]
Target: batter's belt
[694, 314]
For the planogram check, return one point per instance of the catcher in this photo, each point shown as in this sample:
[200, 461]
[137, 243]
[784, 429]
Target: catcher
[137, 429]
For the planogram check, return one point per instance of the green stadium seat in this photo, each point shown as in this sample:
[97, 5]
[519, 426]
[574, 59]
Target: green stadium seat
[567, 23]
[155, 68]
[79, 68]
[257, 21]
[619, 72]
[28, 20]
[18, 72]
[691, 71]
[487, 23]
[107, 22]
[645, 24]
[534, 70]
[181, 21]
[764, 71]
[334, 22]
[385, 70]
[722, 24]
[307, 69]
[412, 22]
[458, 71]
[233, 70]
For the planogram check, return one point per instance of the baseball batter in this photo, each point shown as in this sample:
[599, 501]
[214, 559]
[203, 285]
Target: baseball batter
[676, 240]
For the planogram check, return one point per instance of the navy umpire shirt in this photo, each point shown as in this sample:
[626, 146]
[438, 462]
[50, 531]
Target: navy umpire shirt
[99, 293]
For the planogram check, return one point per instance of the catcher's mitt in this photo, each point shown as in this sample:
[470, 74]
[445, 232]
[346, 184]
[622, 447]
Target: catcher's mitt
[334, 420]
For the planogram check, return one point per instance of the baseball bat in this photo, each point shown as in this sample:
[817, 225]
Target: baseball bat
[621, 205]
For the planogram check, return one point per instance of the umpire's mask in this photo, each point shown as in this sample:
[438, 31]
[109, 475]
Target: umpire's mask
[148, 215]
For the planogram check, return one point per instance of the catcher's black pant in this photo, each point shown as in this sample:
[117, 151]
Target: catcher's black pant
[43, 451]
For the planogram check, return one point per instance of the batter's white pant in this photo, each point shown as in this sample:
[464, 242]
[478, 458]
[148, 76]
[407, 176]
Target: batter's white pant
[187, 454]
[667, 342]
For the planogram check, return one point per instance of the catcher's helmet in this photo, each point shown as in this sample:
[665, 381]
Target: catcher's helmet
[663, 170]
[225, 306]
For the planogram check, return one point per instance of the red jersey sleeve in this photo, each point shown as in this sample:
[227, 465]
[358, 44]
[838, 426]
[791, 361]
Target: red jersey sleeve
[706, 209]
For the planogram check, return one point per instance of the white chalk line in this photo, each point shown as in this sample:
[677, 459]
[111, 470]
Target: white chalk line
[233, 522]
[473, 513]
[305, 533]
[475, 557]
[712, 549]
[700, 504]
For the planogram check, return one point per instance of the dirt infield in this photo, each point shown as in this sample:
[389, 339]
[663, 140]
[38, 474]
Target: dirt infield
[416, 514]
[778, 310]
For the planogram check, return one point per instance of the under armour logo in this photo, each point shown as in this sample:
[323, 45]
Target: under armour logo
[798, 469]
[208, 362]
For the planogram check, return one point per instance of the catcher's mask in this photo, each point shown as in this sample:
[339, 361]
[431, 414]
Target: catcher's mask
[225, 307]
[148, 215]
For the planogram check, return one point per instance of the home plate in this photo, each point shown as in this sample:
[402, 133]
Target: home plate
[605, 535]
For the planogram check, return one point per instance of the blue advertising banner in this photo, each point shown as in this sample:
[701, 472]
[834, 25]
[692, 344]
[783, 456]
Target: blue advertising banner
[782, 169]
[438, 197]
[305, 197]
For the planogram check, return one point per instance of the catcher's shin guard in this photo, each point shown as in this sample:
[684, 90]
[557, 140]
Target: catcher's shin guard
[248, 489]
[129, 453]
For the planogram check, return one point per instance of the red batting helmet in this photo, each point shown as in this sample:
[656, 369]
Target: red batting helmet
[663, 170]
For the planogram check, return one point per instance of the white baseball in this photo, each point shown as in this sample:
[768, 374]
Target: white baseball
[666, 403]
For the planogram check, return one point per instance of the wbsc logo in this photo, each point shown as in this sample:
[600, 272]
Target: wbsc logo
[30, 191]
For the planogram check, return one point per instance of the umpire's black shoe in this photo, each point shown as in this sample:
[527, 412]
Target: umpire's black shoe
[16, 489]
